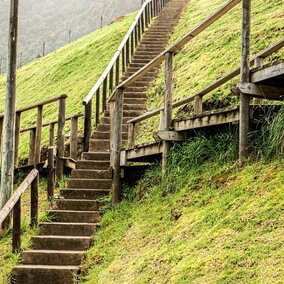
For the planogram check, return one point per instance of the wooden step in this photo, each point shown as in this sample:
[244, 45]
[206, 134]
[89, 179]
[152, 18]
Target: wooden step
[68, 216]
[67, 229]
[82, 193]
[52, 257]
[76, 205]
[101, 156]
[73, 243]
[44, 274]
[92, 174]
[90, 183]
[95, 165]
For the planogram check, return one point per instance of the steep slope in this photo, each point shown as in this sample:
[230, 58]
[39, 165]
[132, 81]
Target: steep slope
[213, 53]
[206, 222]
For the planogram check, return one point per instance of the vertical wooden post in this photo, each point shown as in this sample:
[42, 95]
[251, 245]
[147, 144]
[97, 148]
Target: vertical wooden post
[104, 100]
[117, 71]
[167, 106]
[74, 138]
[7, 169]
[60, 138]
[97, 107]
[32, 146]
[132, 44]
[127, 53]
[51, 134]
[111, 80]
[16, 241]
[34, 201]
[43, 49]
[38, 136]
[116, 143]
[87, 125]
[51, 174]
[123, 59]
[258, 62]
[131, 135]
[111, 106]
[197, 105]
[245, 77]
[17, 137]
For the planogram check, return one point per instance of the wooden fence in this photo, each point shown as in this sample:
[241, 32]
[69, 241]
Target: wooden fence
[109, 80]
[35, 140]
[115, 101]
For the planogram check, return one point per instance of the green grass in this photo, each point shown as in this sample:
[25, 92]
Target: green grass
[207, 222]
[8, 259]
[212, 54]
[71, 70]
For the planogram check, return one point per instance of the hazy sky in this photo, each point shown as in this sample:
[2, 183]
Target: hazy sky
[50, 21]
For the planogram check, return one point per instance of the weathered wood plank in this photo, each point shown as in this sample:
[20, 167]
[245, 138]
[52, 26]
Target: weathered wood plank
[171, 136]
[267, 73]
[74, 138]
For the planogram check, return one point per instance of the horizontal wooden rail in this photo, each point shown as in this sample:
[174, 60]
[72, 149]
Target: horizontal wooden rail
[263, 54]
[179, 44]
[14, 205]
[51, 122]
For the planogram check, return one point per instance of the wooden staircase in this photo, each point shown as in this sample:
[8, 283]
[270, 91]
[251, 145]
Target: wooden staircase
[59, 249]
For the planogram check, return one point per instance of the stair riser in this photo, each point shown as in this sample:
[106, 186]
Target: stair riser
[95, 165]
[135, 101]
[106, 135]
[61, 244]
[52, 258]
[34, 275]
[95, 184]
[76, 205]
[75, 217]
[82, 194]
[91, 174]
[97, 156]
[54, 229]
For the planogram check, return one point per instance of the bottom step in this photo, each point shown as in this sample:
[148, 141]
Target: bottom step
[44, 274]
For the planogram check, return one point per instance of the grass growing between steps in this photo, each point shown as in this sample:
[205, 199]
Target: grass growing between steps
[207, 222]
[7, 259]
[212, 54]
[71, 70]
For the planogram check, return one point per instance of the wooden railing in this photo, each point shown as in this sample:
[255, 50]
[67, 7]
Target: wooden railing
[14, 206]
[35, 140]
[115, 101]
[109, 80]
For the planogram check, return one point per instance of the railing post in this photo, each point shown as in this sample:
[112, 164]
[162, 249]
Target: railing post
[117, 70]
[17, 137]
[245, 77]
[104, 99]
[32, 146]
[87, 125]
[74, 138]
[16, 241]
[51, 134]
[34, 201]
[97, 107]
[51, 174]
[38, 136]
[127, 54]
[131, 135]
[197, 105]
[132, 44]
[60, 138]
[111, 80]
[116, 144]
[167, 106]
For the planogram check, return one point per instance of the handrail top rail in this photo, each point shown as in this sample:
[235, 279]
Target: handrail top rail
[179, 44]
[9, 206]
[116, 55]
[45, 102]
[51, 122]
[263, 54]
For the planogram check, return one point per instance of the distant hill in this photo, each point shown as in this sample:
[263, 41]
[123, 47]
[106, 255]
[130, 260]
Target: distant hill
[49, 21]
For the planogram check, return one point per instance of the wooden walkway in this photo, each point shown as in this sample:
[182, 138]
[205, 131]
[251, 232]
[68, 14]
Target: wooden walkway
[267, 82]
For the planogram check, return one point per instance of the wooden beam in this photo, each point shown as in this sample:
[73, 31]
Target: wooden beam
[267, 73]
[171, 136]
[245, 78]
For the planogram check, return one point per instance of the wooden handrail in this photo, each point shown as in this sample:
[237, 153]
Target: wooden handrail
[14, 204]
[179, 44]
[34, 106]
[263, 54]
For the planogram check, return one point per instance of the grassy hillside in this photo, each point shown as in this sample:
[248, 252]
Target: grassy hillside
[206, 222]
[213, 53]
[72, 70]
